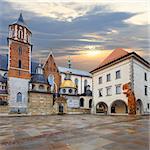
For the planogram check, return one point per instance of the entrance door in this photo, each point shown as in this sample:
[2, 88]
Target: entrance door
[61, 109]
[113, 110]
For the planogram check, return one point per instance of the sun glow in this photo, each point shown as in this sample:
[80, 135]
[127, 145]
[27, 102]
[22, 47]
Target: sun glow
[93, 52]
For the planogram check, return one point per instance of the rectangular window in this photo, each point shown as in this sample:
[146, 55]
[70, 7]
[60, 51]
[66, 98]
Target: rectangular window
[118, 89]
[100, 80]
[108, 91]
[145, 76]
[100, 92]
[148, 106]
[108, 77]
[145, 90]
[118, 75]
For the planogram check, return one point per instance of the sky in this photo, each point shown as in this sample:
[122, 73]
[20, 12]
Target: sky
[85, 30]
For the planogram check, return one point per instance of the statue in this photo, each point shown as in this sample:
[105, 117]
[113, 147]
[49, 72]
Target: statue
[131, 98]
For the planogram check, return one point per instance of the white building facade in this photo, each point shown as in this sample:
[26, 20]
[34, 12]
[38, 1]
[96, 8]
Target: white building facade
[81, 78]
[109, 78]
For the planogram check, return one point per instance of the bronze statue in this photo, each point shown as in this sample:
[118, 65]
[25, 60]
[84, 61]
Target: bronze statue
[131, 98]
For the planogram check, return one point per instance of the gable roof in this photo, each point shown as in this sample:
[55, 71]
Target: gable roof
[117, 53]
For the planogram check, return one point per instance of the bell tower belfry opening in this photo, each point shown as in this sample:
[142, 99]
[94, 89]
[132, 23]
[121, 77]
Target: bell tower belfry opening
[19, 64]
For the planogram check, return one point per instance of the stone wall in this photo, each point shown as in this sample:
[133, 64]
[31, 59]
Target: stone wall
[78, 111]
[4, 109]
[40, 103]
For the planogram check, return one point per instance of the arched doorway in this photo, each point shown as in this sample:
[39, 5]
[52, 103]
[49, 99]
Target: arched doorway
[139, 106]
[101, 107]
[90, 103]
[81, 102]
[61, 109]
[119, 106]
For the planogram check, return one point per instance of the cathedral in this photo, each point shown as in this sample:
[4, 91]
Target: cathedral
[29, 87]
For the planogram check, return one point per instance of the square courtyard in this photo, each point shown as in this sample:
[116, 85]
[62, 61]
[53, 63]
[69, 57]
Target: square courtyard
[74, 132]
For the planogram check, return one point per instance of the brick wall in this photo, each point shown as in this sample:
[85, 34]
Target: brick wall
[51, 68]
[23, 72]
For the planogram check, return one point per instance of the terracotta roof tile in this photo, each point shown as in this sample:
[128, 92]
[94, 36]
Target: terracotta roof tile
[116, 54]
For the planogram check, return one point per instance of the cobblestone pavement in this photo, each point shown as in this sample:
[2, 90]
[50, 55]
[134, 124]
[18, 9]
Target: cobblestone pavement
[74, 132]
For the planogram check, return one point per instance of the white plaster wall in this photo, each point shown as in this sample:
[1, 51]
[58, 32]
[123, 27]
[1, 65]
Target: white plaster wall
[80, 82]
[89, 82]
[140, 83]
[124, 67]
[86, 101]
[73, 98]
[17, 85]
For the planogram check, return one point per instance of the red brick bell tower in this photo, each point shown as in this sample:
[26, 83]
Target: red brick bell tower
[19, 64]
[19, 50]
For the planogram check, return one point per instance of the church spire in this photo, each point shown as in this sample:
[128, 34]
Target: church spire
[69, 62]
[20, 19]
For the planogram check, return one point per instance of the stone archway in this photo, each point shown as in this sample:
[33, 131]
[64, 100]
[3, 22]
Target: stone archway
[119, 106]
[101, 107]
[139, 107]
[60, 105]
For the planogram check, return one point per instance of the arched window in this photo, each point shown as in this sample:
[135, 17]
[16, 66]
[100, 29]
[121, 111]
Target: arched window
[20, 50]
[41, 87]
[64, 90]
[90, 103]
[70, 90]
[76, 82]
[19, 97]
[20, 34]
[81, 102]
[19, 64]
[85, 85]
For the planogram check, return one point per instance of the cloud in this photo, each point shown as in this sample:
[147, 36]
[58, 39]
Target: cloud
[70, 10]
[62, 11]
[74, 28]
[140, 19]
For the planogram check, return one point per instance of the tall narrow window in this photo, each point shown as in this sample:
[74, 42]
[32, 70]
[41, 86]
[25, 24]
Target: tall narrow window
[90, 103]
[108, 77]
[20, 34]
[19, 65]
[81, 102]
[108, 91]
[85, 85]
[118, 89]
[145, 90]
[118, 76]
[76, 82]
[19, 97]
[20, 51]
[100, 80]
[145, 76]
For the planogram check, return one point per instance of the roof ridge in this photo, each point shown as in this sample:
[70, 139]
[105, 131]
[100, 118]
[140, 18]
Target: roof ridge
[115, 54]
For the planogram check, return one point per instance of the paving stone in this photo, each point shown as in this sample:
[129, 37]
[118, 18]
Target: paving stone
[74, 132]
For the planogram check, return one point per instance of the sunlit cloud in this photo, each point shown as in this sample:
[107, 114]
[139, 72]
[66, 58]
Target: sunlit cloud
[57, 10]
[140, 19]
[70, 10]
